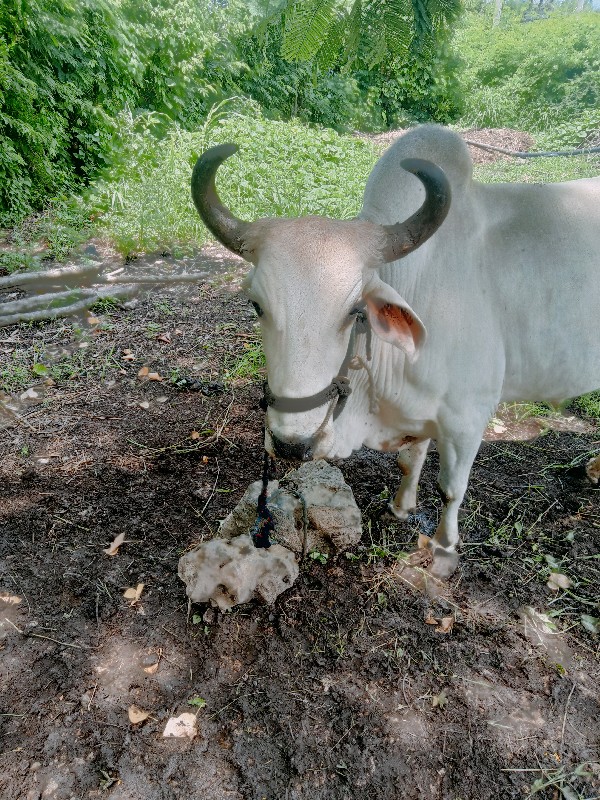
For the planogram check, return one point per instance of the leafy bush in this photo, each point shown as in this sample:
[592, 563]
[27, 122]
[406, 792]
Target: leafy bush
[305, 90]
[282, 169]
[65, 68]
[542, 75]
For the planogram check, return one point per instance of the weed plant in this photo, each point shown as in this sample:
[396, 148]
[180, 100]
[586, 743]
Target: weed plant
[282, 169]
[539, 75]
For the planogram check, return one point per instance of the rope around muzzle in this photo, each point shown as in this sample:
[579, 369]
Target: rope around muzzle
[336, 395]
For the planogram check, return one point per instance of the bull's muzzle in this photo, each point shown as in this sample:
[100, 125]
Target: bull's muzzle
[300, 450]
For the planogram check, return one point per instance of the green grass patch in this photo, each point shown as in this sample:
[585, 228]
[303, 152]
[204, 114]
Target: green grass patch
[249, 366]
[538, 170]
[282, 169]
[589, 404]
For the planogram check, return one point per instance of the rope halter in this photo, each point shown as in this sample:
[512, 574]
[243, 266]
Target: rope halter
[338, 390]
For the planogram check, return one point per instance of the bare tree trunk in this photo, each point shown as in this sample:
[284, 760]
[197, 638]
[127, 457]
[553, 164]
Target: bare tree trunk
[498, 11]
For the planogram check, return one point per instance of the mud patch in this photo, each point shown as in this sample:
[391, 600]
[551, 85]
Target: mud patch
[340, 689]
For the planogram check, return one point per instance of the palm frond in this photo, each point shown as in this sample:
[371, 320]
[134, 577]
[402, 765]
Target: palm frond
[307, 25]
[329, 52]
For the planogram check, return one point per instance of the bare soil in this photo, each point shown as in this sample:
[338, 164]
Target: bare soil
[345, 688]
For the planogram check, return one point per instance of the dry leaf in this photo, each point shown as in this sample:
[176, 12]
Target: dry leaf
[423, 541]
[93, 321]
[129, 357]
[164, 337]
[113, 549]
[10, 599]
[137, 715]
[194, 435]
[151, 669]
[134, 594]
[440, 700]
[446, 624]
[558, 581]
[143, 372]
[178, 332]
[592, 469]
[429, 620]
[154, 376]
[183, 726]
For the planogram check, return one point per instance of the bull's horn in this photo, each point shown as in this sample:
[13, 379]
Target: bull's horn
[229, 230]
[404, 237]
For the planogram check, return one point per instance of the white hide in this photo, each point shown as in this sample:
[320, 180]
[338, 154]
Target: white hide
[504, 297]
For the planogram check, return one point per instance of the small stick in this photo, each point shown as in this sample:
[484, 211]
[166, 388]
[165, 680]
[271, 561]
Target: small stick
[564, 722]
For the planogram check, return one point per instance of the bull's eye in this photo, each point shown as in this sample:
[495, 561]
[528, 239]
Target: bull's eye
[358, 312]
[257, 308]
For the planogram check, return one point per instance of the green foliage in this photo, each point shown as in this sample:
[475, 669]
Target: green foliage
[282, 169]
[65, 68]
[396, 49]
[590, 404]
[538, 170]
[68, 69]
[187, 52]
[541, 75]
[367, 32]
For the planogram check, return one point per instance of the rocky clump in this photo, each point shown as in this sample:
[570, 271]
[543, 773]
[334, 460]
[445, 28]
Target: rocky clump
[227, 573]
[313, 508]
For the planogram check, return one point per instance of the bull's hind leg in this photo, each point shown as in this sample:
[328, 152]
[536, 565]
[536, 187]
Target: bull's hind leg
[457, 454]
[410, 462]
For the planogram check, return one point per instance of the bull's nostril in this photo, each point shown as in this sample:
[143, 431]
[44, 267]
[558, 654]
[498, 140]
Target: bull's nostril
[294, 451]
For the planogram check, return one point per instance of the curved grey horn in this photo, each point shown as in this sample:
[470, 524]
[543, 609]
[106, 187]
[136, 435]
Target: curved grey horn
[228, 229]
[404, 237]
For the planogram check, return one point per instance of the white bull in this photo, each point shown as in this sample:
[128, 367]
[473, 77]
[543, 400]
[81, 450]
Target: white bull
[502, 303]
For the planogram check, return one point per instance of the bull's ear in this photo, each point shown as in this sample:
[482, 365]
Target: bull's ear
[392, 319]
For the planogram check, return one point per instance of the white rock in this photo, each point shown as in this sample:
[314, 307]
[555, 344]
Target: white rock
[334, 519]
[227, 573]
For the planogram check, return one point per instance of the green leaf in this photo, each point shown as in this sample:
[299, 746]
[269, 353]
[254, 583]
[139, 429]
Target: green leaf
[198, 702]
[307, 25]
[591, 624]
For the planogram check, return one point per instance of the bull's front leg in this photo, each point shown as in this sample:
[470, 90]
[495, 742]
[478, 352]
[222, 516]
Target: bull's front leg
[410, 462]
[457, 454]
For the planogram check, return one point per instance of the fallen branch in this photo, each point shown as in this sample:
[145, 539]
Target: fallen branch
[538, 154]
[61, 293]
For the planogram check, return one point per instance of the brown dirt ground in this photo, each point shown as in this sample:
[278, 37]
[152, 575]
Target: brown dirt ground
[340, 691]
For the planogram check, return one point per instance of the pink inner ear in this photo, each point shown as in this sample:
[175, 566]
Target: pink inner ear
[396, 325]
[395, 317]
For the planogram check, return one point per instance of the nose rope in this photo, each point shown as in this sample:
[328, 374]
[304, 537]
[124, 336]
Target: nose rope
[265, 524]
[338, 390]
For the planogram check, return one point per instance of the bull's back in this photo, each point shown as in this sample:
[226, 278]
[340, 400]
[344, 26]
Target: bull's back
[542, 259]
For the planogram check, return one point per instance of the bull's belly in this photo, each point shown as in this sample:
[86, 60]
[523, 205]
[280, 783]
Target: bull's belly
[555, 389]
[352, 434]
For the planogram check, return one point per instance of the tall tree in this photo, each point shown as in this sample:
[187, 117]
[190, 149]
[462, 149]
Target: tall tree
[367, 31]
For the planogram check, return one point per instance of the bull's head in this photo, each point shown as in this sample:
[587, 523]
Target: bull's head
[311, 277]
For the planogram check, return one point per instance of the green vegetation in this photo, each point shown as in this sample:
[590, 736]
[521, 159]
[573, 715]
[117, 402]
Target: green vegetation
[589, 404]
[282, 169]
[538, 75]
[76, 79]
